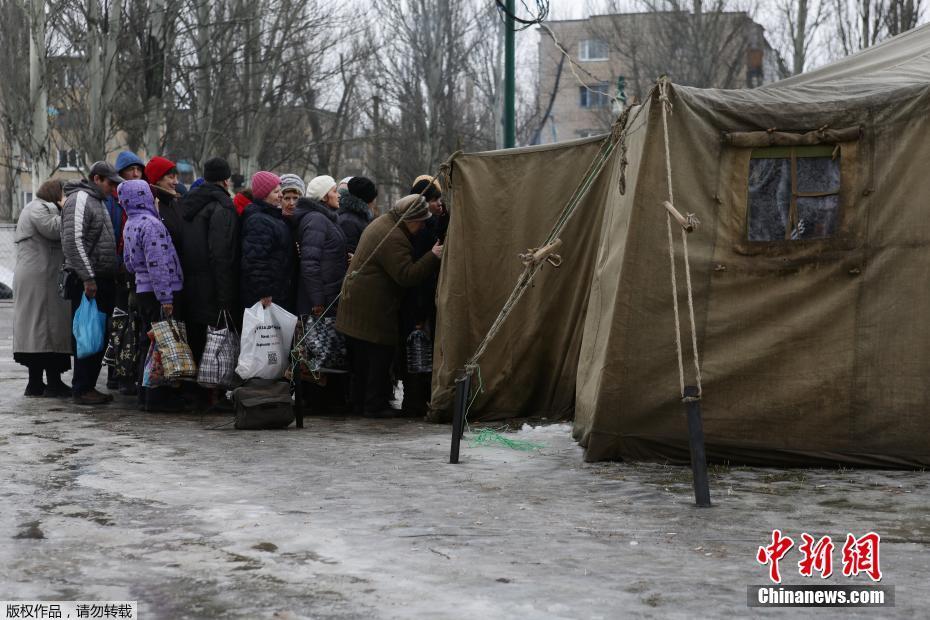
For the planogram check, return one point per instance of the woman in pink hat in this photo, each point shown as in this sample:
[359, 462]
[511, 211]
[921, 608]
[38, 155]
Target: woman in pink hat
[267, 247]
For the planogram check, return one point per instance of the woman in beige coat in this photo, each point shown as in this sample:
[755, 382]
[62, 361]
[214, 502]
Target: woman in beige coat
[41, 319]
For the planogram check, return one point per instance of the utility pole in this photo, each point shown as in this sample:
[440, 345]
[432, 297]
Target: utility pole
[510, 133]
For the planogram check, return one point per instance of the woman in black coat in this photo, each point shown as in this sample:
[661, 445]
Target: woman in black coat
[267, 260]
[323, 264]
[323, 255]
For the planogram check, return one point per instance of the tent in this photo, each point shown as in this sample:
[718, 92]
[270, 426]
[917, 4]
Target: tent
[808, 273]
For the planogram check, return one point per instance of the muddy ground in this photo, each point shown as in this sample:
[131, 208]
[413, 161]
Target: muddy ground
[352, 518]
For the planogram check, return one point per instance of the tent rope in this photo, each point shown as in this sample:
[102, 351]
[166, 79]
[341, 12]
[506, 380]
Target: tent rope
[616, 137]
[666, 104]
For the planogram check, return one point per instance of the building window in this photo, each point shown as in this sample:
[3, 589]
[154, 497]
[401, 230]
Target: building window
[27, 198]
[594, 96]
[793, 193]
[68, 159]
[592, 49]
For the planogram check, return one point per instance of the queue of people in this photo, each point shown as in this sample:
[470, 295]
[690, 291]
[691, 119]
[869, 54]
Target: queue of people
[127, 238]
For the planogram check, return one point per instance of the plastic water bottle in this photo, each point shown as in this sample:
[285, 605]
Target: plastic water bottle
[419, 353]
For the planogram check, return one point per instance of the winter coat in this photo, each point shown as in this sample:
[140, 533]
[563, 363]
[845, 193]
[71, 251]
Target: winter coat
[209, 254]
[87, 238]
[419, 304]
[41, 319]
[323, 255]
[268, 256]
[354, 217]
[118, 219]
[149, 253]
[371, 298]
[170, 213]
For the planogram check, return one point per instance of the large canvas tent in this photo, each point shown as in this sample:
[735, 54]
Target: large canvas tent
[809, 273]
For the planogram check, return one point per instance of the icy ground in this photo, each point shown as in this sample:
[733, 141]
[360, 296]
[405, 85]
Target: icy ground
[353, 518]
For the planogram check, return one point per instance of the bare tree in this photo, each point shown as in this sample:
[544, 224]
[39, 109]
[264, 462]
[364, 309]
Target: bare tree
[903, 15]
[25, 119]
[15, 117]
[800, 21]
[438, 79]
[858, 23]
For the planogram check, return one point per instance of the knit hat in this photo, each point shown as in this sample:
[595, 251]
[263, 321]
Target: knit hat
[216, 170]
[241, 201]
[345, 180]
[198, 182]
[135, 195]
[126, 159]
[363, 188]
[411, 208]
[262, 184]
[320, 186]
[157, 168]
[294, 183]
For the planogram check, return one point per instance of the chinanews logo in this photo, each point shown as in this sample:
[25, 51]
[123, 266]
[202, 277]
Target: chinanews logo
[859, 555]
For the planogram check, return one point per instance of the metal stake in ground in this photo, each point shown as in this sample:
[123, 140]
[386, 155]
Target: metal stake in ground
[298, 394]
[696, 442]
[462, 390]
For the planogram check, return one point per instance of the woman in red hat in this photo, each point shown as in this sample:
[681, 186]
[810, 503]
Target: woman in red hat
[162, 175]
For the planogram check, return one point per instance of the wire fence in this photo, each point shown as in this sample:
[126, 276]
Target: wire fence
[7, 260]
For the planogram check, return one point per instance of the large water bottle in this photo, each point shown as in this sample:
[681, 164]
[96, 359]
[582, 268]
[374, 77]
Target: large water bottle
[419, 353]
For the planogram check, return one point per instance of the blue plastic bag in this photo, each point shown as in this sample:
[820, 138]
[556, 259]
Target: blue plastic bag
[89, 328]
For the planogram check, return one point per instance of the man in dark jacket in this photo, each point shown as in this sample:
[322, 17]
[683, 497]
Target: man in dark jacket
[210, 254]
[89, 246]
[356, 209]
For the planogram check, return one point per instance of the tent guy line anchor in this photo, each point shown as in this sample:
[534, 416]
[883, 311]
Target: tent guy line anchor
[688, 222]
[534, 256]
[690, 395]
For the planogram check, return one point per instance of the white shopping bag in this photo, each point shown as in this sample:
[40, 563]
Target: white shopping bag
[265, 348]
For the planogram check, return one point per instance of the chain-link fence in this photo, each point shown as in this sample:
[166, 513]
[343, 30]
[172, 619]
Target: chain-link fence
[7, 260]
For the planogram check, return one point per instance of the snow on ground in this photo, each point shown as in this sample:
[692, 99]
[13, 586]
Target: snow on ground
[542, 431]
[355, 518]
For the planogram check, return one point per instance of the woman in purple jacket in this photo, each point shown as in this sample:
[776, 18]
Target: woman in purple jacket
[149, 253]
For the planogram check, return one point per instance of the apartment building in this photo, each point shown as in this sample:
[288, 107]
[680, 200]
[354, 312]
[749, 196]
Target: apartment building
[619, 56]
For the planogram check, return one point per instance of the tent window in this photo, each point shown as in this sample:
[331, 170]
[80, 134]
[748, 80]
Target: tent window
[793, 193]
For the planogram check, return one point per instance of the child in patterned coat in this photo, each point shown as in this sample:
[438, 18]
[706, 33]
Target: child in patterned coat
[149, 255]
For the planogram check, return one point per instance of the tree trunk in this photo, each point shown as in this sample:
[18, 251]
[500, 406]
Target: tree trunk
[204, 107]
[38, 95]
[156, 46]
[800, 38]
[16, 180]
[95, 109]
[102, 39]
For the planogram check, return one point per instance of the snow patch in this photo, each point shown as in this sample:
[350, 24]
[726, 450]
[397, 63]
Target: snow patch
[563, 428]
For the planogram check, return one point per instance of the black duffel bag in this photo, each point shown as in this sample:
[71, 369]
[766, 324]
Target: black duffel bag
[263, 404]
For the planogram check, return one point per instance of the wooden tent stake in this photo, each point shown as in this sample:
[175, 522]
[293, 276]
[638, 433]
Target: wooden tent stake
[692, 402]
[462, 390]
